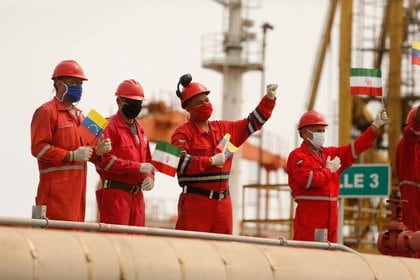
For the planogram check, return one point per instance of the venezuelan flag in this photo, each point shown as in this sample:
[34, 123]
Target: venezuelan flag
[221, 147]
[415, 53]
[92, 127]
[230, 149]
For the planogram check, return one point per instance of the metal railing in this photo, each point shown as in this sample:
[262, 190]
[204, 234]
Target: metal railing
[281, 241]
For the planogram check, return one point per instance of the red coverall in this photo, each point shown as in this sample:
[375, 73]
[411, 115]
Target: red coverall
[197, 212]
[123, 164]
[315, 188]
[408, 173]
[62, 185]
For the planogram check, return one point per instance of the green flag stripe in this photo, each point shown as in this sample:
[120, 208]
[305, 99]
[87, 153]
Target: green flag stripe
[365, 72]
[163, 146]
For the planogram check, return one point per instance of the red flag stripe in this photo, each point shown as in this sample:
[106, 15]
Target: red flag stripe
[366, 91]
[415, 60]
[164, 168]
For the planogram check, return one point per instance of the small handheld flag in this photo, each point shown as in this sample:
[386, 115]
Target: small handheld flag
[365, 81]
[165, 158]
[225, 146]
[221, 147]
[92, 126]
[230, 149]
[415, 53]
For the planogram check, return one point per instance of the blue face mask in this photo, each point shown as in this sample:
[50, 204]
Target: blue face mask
[73, 93]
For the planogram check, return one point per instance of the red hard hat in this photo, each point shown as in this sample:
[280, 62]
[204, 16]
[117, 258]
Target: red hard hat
[411, 114]
[192, 90]
[68, 68]
[130, 89]
[311, 118]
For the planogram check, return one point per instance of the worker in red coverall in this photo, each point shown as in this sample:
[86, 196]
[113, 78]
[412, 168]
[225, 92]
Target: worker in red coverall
[314, 174]
[203, 171]
[61, 153]
[408, 170]
[126, 171]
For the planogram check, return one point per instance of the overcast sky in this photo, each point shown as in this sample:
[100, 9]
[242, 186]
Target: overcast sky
[153, 42]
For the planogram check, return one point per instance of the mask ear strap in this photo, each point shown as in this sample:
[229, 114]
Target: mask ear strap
[67, 89]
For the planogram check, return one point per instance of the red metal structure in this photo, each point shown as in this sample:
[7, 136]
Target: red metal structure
[397, 240]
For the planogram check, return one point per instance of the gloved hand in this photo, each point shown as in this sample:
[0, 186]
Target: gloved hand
[103, 146]
[380, 119]
[81, 154]
[218, 159]
[146, 168]
[271, 91]
[147, 184]
[334, 164]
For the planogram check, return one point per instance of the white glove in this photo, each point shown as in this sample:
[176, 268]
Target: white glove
[334, 164]
[146, 168]
[218, 159]
[81, 154]
[147, 184]
[271, 91]
[103, 146]
[380, 119]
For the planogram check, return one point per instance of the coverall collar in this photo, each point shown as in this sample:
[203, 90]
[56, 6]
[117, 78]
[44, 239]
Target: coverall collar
[200, 130]
[62, 107]
[313, 153]
[121, 122]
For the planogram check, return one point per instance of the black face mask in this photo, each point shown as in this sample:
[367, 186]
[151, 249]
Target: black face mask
[131, 109]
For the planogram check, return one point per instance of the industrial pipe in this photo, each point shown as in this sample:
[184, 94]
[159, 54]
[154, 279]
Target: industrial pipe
[28, 253]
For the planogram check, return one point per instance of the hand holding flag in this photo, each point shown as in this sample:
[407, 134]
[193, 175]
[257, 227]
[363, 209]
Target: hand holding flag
[104, 146]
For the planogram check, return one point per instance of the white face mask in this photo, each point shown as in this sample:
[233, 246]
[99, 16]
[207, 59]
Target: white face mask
[318, 139]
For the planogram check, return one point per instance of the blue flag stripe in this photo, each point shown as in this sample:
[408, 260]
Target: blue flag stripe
[92, 127]
[415, 52]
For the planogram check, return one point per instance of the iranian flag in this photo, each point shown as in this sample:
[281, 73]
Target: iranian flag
[365, 81]
[165, 158]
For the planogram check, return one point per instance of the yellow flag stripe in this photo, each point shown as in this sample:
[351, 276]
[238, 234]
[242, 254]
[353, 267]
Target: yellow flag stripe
[416, 45]
[98, 119]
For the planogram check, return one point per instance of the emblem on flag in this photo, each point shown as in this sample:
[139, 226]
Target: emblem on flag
[165, 158]
[92, 126]
[365, 81]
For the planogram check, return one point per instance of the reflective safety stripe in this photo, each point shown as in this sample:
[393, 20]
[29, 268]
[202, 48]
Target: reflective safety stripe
[258, 116]
[43, 150]
[110, 163]
[309, 197]
[353, 149]
[415, 132]
[60, 168]
[184, 163]
[251, 128]
[308, 183]
[410, 183]
[203, 178]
